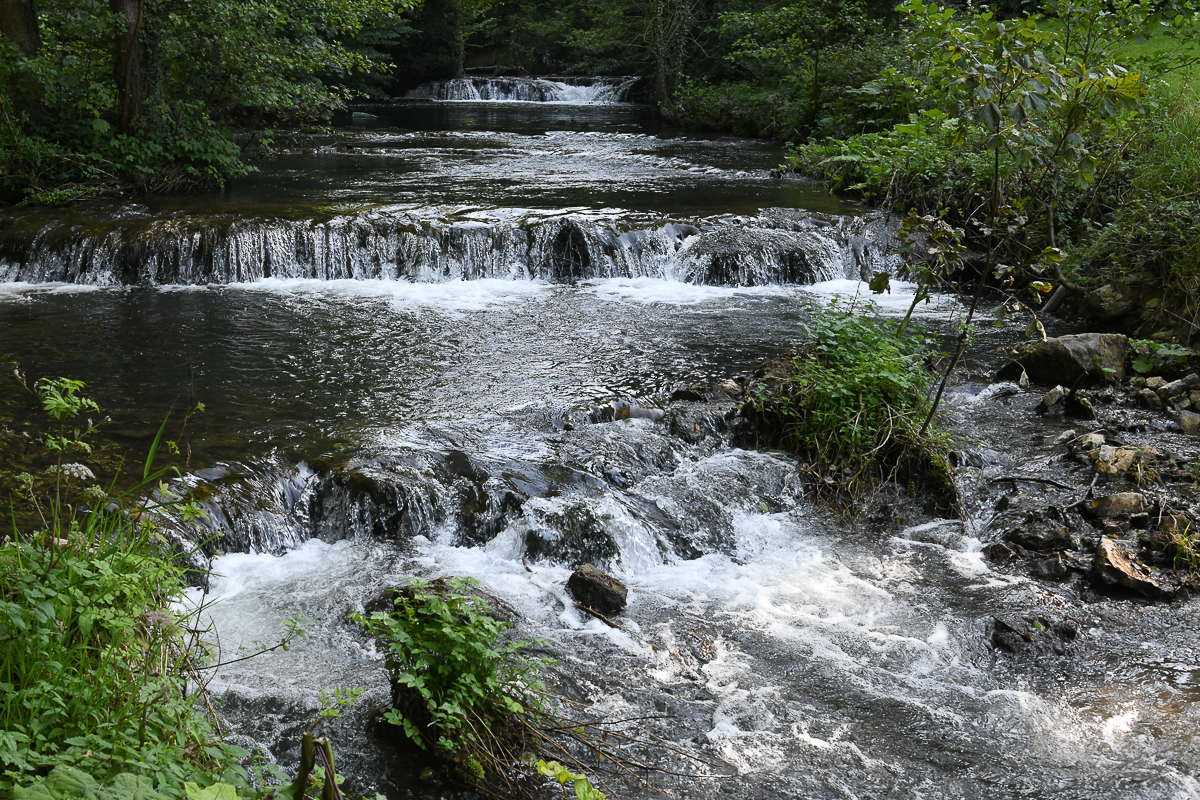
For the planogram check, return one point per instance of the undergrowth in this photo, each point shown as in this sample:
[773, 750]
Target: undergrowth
[101, 674]
[852, 403]
[469, 694]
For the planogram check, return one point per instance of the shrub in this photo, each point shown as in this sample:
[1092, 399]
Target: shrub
[97, 667]
[852, 403]
[464, 691]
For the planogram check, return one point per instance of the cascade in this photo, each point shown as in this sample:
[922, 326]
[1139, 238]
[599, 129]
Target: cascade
[535, 90]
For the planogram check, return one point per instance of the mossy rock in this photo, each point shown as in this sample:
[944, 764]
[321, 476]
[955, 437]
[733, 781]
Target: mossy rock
[1086, 359]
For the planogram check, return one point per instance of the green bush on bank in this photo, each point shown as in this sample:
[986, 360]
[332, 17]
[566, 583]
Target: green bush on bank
[852, 403]
[98, 668]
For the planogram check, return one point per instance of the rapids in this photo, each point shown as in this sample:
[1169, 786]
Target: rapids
[374, 415]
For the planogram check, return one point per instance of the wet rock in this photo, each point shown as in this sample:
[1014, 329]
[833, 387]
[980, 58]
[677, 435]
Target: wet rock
[497, 608]
[1180, 387]
[1079, 406]
[1083, 359]
[1002, 552]
[1041, 535]
[1112, 461]
[1115, 505]
[616, 410]
[1091, 441]
[574, 534]
[1155, 383]
[1189, 422]
[1117, 564]
[1053, 567]
[1149, 399]
[597, 590]
[1032, 635]
[1053, 400]
[695, 422]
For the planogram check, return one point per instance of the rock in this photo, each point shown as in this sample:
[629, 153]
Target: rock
[1177, 524]
[1091, 441]
[1155, 383]
[597, 590]
[1115, 505]
[1029, 635]
[1068, 435]
[1116, 564]
[1096, 358]
[1052, 567]
[1194, 397]
[1080, 407]
[1189, 421]
[1149, 399]
[1179, 387]
[1042, 535]
[1112, 461]
[1054, 397]
[1001, 552]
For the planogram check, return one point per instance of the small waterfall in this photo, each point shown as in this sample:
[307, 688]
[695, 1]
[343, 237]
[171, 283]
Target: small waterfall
[775, 247]
[530, 90]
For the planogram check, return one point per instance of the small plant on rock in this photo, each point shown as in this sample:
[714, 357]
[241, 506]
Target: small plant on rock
[468, 694]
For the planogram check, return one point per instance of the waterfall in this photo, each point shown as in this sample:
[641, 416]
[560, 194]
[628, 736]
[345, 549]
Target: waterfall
[777, 246]
[532, 90]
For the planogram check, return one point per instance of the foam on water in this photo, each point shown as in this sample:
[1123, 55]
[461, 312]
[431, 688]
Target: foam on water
[450, 296]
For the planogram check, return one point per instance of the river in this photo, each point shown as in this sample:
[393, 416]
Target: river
[420, 298]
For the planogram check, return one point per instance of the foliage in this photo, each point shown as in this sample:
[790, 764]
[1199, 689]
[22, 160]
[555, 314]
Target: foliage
[583, 787]
[461, 689]
[1150, 357]
[98, 669]
[84, 107]
[852, 403]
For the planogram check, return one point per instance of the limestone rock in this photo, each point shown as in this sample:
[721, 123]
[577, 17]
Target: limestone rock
[597, 590]
[1150, 399]
[1115, 505]
[1097, 358]
[1116, 564]
[1053, 398]
[1179, 387]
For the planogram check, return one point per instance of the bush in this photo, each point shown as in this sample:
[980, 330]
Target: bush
[466, 693]
[852, 403]
[97, 667]
[459, 689]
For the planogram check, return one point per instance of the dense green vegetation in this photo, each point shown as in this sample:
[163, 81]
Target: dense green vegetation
[102, 674]
[148, 94]
[855, 403]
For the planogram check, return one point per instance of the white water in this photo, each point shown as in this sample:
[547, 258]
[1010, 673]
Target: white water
[532, 90]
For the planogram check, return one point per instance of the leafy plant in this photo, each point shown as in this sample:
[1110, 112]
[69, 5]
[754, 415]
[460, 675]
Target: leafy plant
[852, 403]
[583, 787]
[1153, 356]
[460, 689]
[99, 673]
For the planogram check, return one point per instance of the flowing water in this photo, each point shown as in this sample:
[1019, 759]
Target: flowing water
[399, 330]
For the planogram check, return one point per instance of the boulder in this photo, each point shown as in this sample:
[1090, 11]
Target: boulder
[1115, 505]
[1054, 567]
[1090, 358]
[1042, 535]
[1156, 382]
[1117, 564]
[1150, 399]
[597, 590]
[1189, 421]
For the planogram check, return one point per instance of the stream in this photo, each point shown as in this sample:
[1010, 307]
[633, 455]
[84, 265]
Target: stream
[399, 327]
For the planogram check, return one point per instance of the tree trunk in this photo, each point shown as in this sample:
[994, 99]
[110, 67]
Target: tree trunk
[19, 24]
[129, 68]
